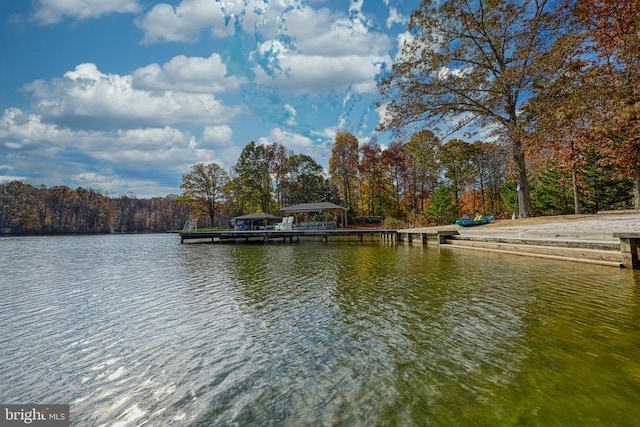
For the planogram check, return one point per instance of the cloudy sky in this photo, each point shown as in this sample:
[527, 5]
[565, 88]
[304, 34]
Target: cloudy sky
[124, 96]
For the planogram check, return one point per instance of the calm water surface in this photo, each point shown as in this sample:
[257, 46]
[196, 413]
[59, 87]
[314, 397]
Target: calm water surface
[134, 330]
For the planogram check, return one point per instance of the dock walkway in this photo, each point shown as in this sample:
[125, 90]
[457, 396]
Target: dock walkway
[322, 235]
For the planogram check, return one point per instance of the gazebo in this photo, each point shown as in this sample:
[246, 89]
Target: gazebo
[324, 208]
[254, 220]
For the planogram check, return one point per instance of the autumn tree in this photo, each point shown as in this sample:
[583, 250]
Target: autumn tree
[473, 63]
[395, 159]
[18, 213]
[236, 202]
[422, 169]
[489, 162]
[456, 158]
[375, 180]
[560, 123]
[343, 165]
[202, 188]
[613, 28]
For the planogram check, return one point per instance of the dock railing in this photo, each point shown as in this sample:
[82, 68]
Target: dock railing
[190, 226]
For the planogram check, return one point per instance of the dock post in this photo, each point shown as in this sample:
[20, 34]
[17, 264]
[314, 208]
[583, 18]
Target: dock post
[629, 248]
[629, 245]
[443, 235]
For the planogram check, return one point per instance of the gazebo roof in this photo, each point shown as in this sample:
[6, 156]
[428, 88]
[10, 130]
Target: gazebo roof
[256, 217]
[312, 207]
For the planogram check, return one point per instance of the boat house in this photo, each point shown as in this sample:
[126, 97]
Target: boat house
[255, 221]
[322, 215]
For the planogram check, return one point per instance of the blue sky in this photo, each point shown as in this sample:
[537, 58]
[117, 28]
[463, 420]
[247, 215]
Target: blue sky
[124, 96]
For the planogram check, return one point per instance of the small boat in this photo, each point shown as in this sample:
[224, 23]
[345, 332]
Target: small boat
[468, 222]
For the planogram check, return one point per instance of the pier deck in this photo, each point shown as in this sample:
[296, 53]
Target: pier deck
[284, 235]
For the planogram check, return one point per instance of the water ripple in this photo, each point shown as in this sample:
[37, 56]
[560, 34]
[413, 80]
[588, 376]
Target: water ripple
[134, 330]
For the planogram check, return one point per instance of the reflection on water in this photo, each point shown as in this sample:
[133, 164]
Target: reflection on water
[140, 329]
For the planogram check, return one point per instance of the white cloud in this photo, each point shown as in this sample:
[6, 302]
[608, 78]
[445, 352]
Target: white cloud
[291, 115]
[325, 52]
[383, 114]
[319, 74]
[395, 18]
[88, 98]
[303, 50]
[293, 141]
[110, 183]
[325, 33]
[93, 158]
[53, 11]
[187, 74]
[20, 130]
[185, 22]
[217, 136]
[29, 132]
[182, 23]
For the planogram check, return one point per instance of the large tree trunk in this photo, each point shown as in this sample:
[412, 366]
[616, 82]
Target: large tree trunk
[576, 199]
[636, 187]
[524, 199]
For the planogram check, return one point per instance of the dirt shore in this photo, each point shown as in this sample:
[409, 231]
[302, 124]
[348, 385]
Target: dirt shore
[580, 227]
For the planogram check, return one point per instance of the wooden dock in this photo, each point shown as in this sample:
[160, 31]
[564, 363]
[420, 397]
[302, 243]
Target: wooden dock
[611, 253]
[321, 235]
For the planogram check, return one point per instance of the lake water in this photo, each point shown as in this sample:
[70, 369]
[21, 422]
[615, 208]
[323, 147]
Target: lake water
[138, 329]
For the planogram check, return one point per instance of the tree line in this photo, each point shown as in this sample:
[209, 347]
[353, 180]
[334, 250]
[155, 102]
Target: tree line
[28, 209]
[422, 181]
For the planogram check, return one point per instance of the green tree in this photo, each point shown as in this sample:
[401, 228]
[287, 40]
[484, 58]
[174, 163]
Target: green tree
[202, 188]
[304, 182]
[473, 62]
[442, 205]
[252, 170]
[552, 191]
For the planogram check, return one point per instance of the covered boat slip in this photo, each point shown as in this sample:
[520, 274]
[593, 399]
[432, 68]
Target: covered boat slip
[306, 215]
[321, 215]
